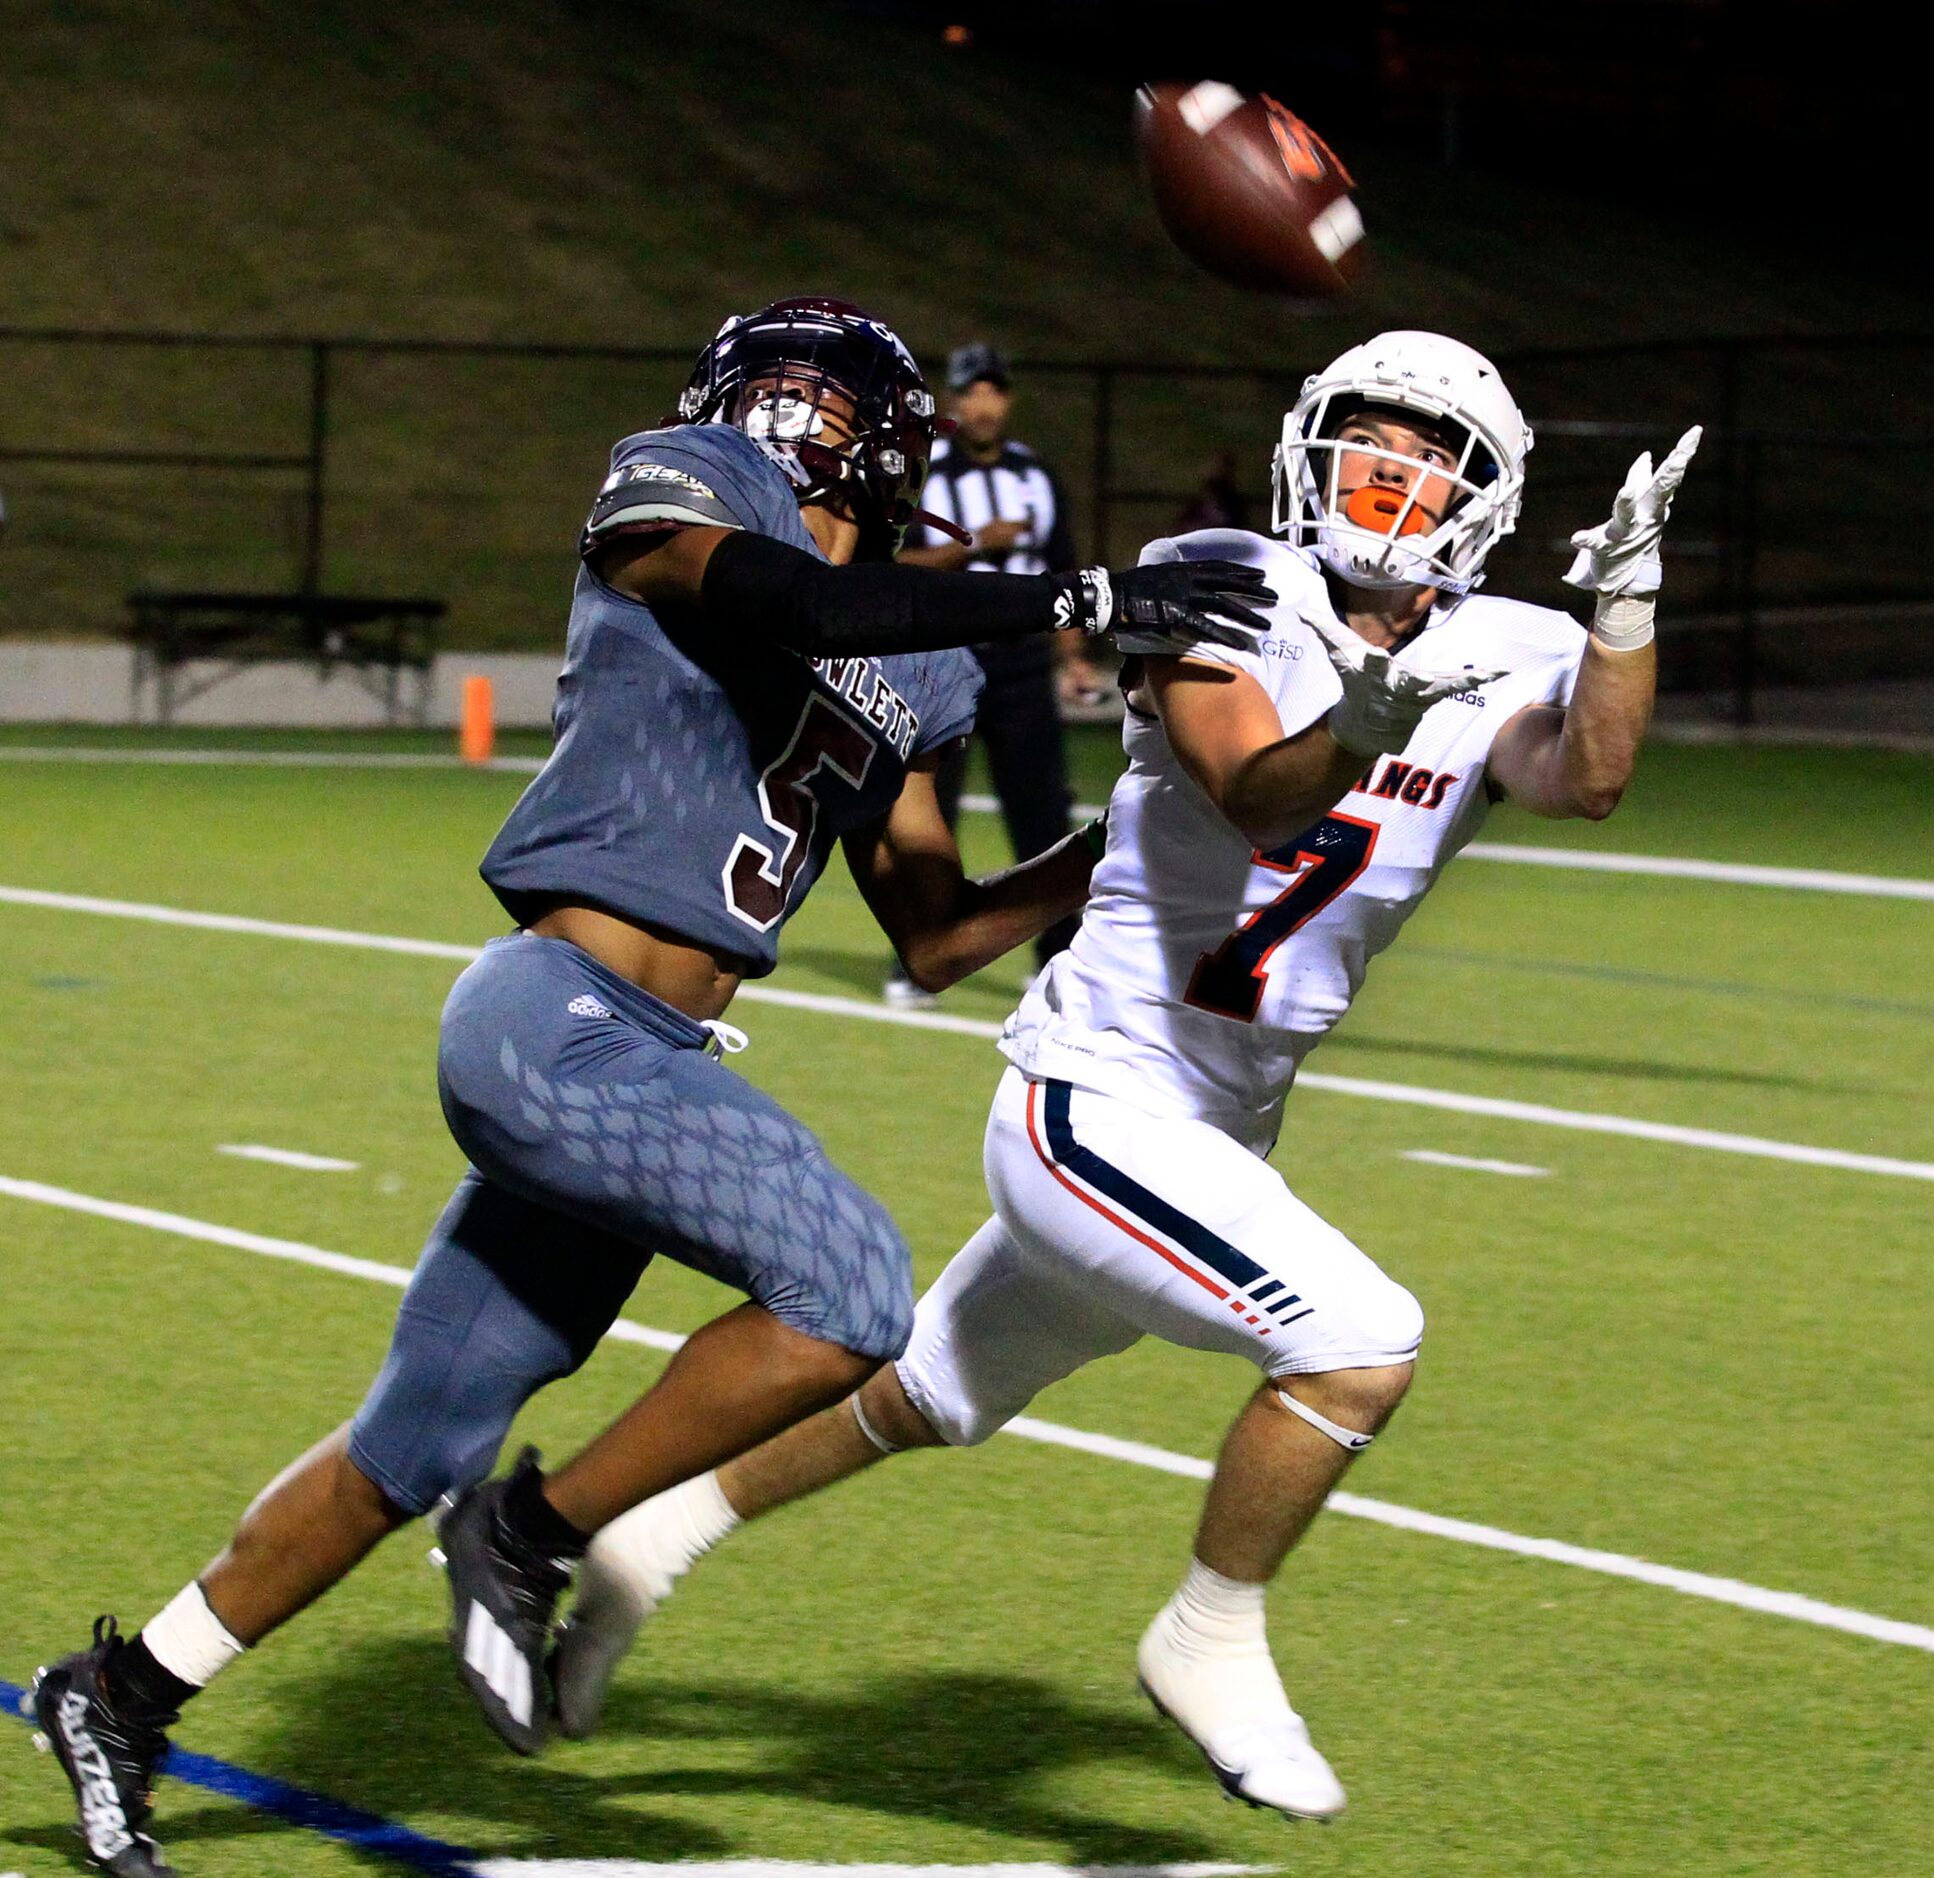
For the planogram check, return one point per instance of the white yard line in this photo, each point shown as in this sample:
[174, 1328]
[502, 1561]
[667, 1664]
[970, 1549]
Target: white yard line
[234, 922]
[1598, 861]
[1584, 1120]
[293, 1250]
[178, 1223]
[1434, 1158]
[1732, 1591]
[1589, 860]
[287, 1157]
[1733, 873]
[828, 1004]
[1496, 1107]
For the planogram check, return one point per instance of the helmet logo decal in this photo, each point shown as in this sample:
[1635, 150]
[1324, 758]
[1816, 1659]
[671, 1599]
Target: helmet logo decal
[834, 397]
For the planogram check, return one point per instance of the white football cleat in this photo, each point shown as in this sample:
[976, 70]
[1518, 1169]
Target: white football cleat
[1233, 1708]
[591, 1643]
[627, 1573]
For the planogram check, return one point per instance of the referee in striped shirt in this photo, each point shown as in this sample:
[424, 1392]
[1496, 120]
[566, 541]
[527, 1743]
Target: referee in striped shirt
[1010, 502]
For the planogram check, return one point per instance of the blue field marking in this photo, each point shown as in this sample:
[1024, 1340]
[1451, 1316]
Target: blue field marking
[313, 1812]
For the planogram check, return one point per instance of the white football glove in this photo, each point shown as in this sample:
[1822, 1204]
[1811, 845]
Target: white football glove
[1383, 702]
[1619, 559]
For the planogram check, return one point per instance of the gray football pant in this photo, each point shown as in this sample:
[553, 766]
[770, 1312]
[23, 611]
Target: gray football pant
[600, 1132]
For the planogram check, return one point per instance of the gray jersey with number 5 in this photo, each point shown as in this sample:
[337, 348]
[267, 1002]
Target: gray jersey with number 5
[698, 783]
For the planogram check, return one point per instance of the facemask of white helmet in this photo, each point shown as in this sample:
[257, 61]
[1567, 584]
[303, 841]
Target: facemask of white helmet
[1378, 535]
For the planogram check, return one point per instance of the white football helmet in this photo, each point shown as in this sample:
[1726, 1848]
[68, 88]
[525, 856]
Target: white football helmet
[1388, 541]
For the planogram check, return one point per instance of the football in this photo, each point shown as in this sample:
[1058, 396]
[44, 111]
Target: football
[1248, 190]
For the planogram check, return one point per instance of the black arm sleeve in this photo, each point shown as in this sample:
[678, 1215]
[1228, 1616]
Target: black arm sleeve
[767, 591]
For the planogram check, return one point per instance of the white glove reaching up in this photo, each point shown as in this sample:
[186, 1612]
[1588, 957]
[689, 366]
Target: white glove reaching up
[1619, 559]
[1383, 701]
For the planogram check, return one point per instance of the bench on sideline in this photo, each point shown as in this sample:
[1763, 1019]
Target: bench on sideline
[386, 644]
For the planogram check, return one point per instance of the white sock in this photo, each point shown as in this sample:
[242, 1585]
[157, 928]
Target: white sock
[1218, 1616]
[188, 1640]
[637, 1559]
[1212, 1630]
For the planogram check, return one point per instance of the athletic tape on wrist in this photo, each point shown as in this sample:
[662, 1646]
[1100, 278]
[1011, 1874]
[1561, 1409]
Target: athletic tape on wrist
[1623, 622]
[1343, 1437]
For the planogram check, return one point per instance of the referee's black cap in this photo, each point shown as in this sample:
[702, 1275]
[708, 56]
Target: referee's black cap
[969, 364]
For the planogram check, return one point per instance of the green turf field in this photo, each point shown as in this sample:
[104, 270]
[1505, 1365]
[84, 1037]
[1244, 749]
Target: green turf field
[1693, 1357]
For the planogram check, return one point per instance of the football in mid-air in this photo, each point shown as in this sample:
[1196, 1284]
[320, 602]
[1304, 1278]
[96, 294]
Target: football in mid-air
[1248, 190]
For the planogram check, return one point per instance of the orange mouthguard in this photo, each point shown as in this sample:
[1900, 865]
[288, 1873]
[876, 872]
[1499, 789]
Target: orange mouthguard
[1377, 507]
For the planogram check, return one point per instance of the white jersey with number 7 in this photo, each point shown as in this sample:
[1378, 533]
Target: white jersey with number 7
[1205, 971]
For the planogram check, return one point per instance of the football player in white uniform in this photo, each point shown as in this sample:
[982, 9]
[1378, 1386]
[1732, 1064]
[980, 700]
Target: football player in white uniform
[1283, 811]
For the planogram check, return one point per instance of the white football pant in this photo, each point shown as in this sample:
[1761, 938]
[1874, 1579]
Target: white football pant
[1111, 1224]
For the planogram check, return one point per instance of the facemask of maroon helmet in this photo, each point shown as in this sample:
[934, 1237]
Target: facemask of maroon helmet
[835, 399]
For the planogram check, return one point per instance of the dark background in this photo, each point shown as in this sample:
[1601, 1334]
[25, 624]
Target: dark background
[1754, 112]
[1651, 213]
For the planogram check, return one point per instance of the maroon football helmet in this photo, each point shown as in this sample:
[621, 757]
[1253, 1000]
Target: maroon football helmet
[769, 373]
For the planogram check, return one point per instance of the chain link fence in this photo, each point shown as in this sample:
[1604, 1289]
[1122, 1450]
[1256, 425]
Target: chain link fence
[345, 465]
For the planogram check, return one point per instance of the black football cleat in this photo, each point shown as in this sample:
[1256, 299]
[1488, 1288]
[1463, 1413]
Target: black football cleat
[108, 1755]
[503, 1603]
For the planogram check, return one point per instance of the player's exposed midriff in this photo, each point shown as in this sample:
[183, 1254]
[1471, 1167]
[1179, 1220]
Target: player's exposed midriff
[689, 977]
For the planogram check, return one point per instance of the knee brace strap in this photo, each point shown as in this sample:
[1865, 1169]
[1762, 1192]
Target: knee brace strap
[867, 1429]
[1343, 1437]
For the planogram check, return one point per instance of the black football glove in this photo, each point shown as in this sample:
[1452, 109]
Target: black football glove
[1168, 607]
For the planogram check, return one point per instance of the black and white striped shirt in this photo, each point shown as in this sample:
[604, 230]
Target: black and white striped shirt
[1016, 487]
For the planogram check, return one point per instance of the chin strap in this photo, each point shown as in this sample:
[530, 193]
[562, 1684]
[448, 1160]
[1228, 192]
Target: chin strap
[941, 526]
